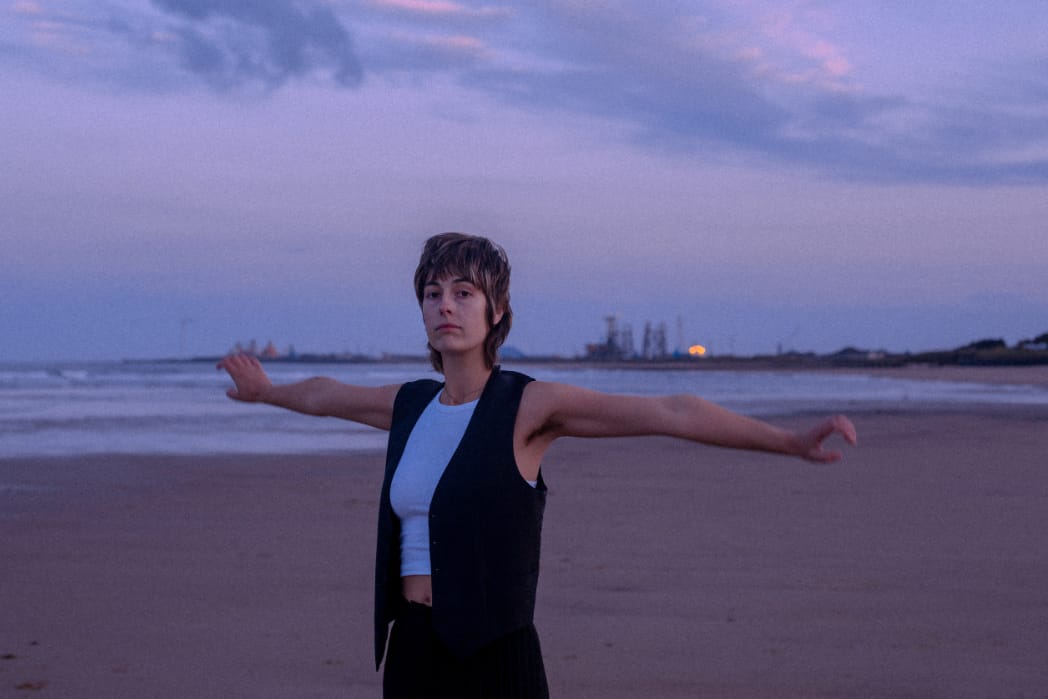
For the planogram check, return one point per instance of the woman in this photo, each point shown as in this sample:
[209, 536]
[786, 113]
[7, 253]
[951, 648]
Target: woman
[461, 505]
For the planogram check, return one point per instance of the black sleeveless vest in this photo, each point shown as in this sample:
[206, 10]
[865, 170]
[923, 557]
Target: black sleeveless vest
[485, 524]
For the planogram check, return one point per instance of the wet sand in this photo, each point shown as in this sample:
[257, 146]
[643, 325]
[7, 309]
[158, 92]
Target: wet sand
[915, 568]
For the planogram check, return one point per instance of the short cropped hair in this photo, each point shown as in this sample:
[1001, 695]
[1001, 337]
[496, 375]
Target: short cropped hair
[484, 265]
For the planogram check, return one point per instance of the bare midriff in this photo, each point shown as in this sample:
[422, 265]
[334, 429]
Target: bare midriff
[417, 588]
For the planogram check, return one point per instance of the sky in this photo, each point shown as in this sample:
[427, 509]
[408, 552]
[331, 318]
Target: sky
[180, 175]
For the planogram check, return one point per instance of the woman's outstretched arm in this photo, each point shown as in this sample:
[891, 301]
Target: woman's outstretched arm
[322, 396]
[559, 410]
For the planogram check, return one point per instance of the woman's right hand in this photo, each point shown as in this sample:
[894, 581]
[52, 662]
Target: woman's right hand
[250, 378]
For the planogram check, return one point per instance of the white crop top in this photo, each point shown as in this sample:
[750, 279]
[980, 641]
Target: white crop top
[431, 444]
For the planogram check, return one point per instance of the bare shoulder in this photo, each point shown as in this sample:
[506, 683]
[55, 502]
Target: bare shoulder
[547, 397]
[534, 430]
[536, 406]
[539, 392]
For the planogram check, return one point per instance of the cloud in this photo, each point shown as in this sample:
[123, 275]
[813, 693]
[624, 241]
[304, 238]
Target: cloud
[439, 9]
[767, 87]
[412, 53]
[26, 7]
[669, 76]
[229, 42]
[787, 84]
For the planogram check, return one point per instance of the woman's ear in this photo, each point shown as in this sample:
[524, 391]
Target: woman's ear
[496, 316]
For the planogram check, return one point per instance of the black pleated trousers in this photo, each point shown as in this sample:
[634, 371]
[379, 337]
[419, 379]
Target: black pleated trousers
[418, 666]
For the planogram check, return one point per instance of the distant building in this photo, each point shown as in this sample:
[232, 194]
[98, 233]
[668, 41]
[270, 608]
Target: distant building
[618, 343]
[270, 351]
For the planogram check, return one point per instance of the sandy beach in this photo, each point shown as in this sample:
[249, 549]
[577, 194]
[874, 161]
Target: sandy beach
[915, 568]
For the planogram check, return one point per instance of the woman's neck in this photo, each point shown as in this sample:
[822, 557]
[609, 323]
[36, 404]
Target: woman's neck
[463, 382]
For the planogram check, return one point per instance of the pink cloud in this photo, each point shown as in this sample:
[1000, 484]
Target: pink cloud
[438, 8]
[26, 7]
[462, 43]
[830, 57]
[796, 47]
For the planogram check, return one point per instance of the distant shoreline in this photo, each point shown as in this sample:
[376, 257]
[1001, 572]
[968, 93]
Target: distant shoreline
[1032, 372]
[1006, 360]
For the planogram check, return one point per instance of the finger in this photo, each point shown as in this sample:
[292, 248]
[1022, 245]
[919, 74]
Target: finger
[827, 457]
[843, 425]
[840, 424]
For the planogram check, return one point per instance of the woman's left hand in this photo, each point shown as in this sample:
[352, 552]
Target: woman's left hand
[810, 444]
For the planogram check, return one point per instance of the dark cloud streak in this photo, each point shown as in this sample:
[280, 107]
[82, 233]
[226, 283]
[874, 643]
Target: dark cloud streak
[232, 42]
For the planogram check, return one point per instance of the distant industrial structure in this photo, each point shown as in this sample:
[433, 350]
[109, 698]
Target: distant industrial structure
[618, 344]
[270, 351]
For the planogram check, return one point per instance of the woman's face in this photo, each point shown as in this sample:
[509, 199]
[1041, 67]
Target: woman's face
[455, 313]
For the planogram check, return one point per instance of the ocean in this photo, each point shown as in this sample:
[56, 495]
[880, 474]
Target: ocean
[74, 408]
